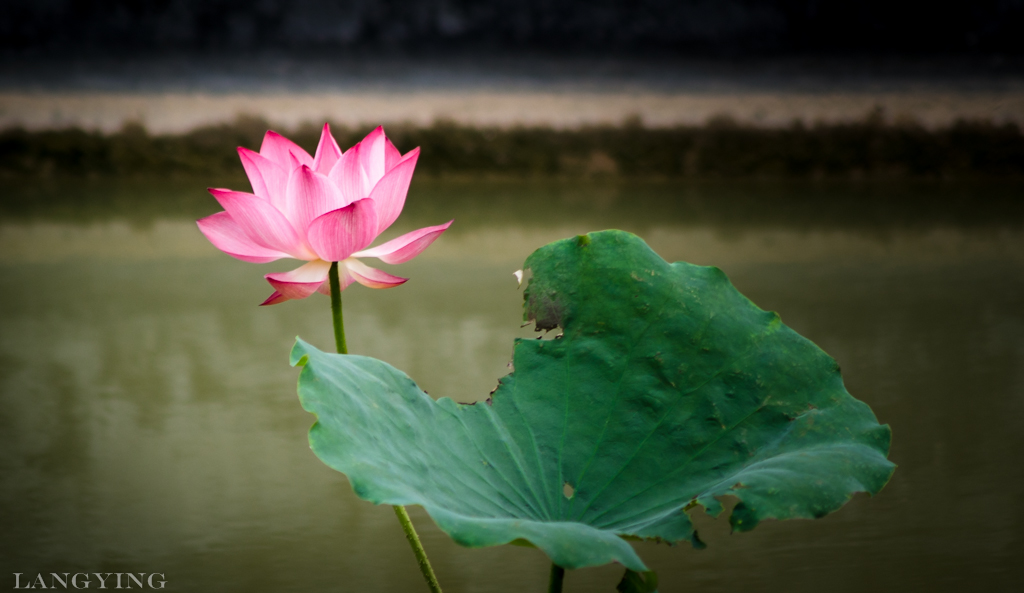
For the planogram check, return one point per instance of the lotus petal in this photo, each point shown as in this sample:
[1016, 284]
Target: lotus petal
[371, 277]
[406, 247]
[310, 194]
[344, 278]
[348, 176]
[340, 233]
[226, 235]
[263, 223]
[269, 180]
[279, 149]
[327, 152]
[389, 193]
[300, 282]
[274, 299]
[372, 155]
[391, 155]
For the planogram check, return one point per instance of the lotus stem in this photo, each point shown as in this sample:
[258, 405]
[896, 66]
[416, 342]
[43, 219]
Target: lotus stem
[557, 576]
[403, 516]
[417, 549]
[339, 322]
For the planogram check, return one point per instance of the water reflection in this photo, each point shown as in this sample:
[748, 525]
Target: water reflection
[148, 420]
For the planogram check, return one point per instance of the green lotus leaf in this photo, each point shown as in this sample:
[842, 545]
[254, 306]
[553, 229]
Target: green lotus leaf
[667, 389]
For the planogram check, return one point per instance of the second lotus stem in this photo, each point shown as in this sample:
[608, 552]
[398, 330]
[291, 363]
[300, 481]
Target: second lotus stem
[556, 578]
[403, 516]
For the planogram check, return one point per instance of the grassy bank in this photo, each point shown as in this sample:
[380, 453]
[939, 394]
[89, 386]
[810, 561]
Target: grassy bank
[721, 149]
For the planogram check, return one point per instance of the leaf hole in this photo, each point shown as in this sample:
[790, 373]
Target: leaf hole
[568, 490]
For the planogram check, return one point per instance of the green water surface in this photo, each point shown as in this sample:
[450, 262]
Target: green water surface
[149, 422]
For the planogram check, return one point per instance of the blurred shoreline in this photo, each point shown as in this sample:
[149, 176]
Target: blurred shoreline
[175, 94]
[870, 148]
[523, 117]
[181, 112]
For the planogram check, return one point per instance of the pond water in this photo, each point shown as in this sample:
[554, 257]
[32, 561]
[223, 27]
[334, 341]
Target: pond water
[149, 423]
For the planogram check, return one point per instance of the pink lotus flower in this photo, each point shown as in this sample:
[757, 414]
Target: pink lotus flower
[326, 208]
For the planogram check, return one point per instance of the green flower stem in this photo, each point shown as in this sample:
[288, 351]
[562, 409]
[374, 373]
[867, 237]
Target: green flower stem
[403, 516]
[339, 323]
[557, 576]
